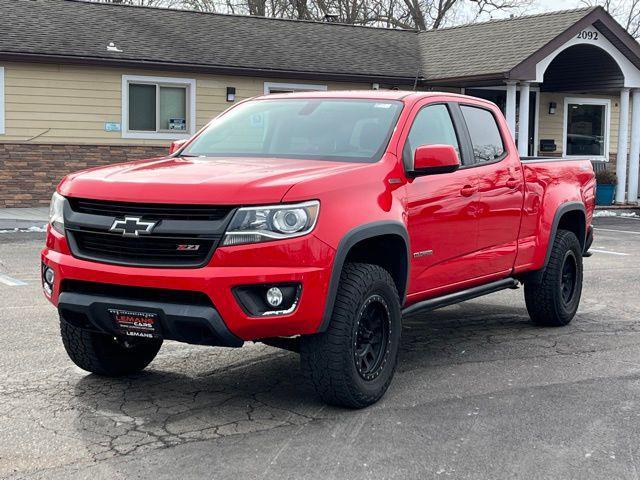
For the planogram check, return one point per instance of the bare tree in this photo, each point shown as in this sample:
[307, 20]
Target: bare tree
[406, 14]
[144, 3]
[627, 12]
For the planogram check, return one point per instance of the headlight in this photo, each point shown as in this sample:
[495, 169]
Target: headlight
[275, 222]
[56, 213]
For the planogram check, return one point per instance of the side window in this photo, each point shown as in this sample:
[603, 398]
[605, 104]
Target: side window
[485, 135]
[432, 125]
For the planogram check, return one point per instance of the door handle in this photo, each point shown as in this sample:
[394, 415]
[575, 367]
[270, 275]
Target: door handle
[467, 191]
[513, 183]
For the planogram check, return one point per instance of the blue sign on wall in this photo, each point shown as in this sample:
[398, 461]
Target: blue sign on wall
[112, 127]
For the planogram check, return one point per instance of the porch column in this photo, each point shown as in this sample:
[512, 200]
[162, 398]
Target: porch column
[523, 131]
[510, 113]
[634, 155]
[623, 133]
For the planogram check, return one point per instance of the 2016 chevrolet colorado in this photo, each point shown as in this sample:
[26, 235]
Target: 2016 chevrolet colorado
[314, 221]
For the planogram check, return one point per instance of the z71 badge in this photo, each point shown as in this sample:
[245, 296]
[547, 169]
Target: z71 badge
[190, 248]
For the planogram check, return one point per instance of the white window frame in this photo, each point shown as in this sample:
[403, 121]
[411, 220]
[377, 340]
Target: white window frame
[605, 102]
[2, 130]
[536, 127]
[188, 83]
[296, 87]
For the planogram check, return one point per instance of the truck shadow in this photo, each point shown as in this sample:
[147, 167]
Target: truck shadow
[206, 393]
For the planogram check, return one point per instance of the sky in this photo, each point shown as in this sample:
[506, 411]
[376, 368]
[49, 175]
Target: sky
[536, 6]
[550, 5]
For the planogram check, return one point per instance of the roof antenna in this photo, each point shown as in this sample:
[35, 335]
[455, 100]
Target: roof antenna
[415, 81]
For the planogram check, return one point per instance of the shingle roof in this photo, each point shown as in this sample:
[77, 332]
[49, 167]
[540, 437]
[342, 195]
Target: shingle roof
[72, 30]
[492, 47]
[61, 27]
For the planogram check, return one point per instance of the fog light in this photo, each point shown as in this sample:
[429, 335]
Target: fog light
[48, 279]
[270, 299]
[274, 296]
[49, 276]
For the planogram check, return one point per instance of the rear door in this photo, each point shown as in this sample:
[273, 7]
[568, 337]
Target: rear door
[500, 188]
[441, 208]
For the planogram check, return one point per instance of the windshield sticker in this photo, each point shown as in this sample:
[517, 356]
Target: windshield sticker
[382, 105]
[257, 120]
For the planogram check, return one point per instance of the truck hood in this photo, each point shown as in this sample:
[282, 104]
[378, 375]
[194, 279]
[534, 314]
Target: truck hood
[209, 180]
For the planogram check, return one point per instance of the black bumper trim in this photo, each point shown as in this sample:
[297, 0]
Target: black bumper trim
[589, 240]
[195, 324]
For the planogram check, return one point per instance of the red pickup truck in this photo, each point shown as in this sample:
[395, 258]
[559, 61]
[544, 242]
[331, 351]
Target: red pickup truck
[314, 222]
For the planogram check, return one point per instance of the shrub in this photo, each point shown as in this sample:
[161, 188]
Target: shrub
[606, 177]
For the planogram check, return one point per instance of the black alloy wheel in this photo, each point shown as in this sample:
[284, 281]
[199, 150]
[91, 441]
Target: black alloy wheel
[553, 296]
[371, 348]
[569, 277]
[352, 362]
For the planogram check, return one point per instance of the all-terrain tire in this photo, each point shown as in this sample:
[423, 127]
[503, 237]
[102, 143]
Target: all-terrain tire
[342, 363]
[104, 354]
[553, 300]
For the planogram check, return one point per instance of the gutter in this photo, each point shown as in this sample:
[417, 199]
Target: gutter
[201, 68]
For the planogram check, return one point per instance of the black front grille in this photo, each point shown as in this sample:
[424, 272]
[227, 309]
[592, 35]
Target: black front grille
[152, 251]
[184, 236]
[150, 211]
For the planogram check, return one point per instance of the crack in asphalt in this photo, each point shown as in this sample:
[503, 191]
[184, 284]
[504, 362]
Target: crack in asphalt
[192, 394]
[259, 390]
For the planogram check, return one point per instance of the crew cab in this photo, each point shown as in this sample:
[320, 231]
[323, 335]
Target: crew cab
[314, 222]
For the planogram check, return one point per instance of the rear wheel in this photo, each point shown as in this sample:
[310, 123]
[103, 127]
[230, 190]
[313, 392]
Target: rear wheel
[553, 300]
[105, 354]
[353, 362]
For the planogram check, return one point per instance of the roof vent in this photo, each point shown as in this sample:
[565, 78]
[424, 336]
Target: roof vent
[112, 48]
[331, 17]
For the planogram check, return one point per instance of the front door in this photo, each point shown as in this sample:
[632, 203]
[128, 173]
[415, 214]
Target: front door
[442, 209]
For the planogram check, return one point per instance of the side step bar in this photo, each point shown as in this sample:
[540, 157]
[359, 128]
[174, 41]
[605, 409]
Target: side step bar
[461, 296]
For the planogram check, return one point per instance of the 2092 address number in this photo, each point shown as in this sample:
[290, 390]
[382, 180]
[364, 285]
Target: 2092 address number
[587, 35]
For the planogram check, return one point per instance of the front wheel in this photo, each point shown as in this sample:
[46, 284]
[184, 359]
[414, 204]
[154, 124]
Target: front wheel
[105, 354]
[352, 363]
[553, 300]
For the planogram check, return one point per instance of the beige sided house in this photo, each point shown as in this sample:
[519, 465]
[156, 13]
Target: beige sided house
[84, 84]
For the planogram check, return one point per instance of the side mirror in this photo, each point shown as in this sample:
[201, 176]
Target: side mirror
[434, 159]
[176, 145]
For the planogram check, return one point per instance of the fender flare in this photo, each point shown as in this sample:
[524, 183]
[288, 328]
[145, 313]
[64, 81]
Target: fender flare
[562, 209]
[351, 238]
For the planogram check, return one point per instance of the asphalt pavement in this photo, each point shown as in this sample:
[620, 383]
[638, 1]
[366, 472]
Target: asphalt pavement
[480, 393]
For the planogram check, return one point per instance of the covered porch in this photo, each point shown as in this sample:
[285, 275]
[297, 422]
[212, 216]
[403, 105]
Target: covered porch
[580, 107]
[575, 95]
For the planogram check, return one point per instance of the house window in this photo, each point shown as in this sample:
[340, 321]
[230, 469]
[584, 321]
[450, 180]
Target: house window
[1, 100]
[273, 87]
[157, 107]
[586, 127]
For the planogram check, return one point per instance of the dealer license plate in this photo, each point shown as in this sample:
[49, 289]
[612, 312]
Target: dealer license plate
[136, 324]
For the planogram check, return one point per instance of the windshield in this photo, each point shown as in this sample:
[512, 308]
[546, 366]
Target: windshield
[318, 129]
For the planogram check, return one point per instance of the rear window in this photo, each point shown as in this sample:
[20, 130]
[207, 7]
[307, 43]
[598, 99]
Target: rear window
[485, 134]
[348, 130]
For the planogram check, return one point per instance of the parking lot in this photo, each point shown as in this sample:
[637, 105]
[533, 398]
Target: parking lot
[480, 393]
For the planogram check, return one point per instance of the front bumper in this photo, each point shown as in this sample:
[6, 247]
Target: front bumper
[196, 324]
[305, 260]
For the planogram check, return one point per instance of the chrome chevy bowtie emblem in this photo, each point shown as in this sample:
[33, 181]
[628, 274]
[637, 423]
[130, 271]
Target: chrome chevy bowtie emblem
[132, 226]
